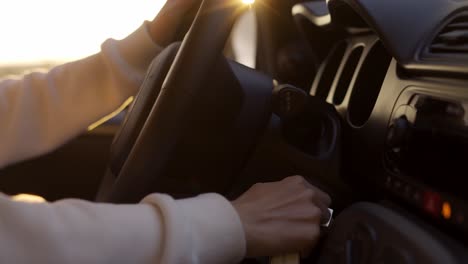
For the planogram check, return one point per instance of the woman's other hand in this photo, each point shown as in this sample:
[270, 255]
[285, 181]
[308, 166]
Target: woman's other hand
[282, 217]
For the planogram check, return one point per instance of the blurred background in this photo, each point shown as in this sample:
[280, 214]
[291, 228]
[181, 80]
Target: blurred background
[40, 34]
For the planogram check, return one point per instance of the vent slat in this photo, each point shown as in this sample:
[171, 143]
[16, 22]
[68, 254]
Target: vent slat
[453, 38]
[443, 48]
[459, 25]
[461, 19]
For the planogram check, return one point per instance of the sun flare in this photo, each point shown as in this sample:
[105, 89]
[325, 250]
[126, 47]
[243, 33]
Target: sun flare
[248, 2]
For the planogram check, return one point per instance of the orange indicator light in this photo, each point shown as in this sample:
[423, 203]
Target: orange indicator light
[446, 210]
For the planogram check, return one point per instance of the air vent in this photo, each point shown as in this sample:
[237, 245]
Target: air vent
[368, 84]
[347, 75]
[453, 38]
[328, 71]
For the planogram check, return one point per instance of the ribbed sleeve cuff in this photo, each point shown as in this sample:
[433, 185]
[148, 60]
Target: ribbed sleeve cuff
[204, 229]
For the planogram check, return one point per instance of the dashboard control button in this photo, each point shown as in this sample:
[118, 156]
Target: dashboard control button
[432, 203]
[398, 132]
[288, 100]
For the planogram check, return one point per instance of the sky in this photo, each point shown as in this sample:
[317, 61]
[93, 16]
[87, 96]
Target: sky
[35, 31]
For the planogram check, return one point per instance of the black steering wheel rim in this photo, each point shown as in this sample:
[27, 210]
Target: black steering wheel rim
[180, 95]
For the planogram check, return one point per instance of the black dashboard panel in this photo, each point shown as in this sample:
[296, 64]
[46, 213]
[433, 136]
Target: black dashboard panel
[406, 28]
[404, 113]
[428, 139]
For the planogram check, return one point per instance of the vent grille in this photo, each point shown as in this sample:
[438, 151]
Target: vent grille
[328, 71]
[453, 38]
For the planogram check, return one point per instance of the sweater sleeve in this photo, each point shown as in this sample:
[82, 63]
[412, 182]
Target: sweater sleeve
[205, 229]
[42, 111]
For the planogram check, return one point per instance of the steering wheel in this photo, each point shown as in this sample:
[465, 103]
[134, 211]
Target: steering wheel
[195, 120]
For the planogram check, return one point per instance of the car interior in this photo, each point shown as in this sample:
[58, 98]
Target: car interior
[366, 99]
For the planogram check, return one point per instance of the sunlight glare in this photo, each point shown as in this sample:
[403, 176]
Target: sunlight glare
[62, 30]
[248, 2]
[28, 198]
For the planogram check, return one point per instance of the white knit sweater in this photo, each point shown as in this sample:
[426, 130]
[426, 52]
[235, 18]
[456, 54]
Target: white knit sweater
[40, 112]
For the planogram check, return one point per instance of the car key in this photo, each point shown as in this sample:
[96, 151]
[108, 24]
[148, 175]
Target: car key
[296, 258]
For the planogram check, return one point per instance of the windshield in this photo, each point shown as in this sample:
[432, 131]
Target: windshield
[40, 34]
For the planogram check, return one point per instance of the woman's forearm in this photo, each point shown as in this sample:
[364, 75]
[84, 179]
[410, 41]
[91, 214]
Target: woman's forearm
[204, 229]
[42, 111]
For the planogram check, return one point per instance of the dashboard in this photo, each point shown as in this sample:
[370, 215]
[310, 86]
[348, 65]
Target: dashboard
[397, 76]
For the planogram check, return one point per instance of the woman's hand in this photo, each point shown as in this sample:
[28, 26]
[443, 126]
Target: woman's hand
[282, 217]
[165, 25]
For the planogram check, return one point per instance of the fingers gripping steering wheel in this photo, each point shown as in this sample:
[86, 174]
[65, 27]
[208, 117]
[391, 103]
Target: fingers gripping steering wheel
[195, 120]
